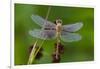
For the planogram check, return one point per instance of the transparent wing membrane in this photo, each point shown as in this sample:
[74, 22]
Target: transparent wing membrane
[41, 21]
[48, 30]
[70, 37]
[72, 27]
[43, 34]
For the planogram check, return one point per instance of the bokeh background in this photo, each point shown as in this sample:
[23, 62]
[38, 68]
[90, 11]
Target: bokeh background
[82, 50]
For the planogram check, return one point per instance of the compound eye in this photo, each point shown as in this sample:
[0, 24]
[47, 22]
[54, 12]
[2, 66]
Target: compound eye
[57, 21]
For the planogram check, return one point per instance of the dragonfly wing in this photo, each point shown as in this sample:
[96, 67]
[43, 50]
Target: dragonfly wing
[41, 21]
[43, 34]
[72, 27]
[70, 37]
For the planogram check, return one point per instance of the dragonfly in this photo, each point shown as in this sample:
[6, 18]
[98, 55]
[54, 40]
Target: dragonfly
[50, 30]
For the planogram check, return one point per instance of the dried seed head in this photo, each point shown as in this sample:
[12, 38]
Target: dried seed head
[56, 59]
[39, 54]
[60, 48]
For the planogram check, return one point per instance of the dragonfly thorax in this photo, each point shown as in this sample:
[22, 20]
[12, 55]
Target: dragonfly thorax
[58, 25]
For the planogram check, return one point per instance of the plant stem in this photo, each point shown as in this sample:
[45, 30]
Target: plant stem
[34, 51]
[38, 50]
[30, 60]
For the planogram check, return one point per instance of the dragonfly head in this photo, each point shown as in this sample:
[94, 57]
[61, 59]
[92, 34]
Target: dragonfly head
[58, 21]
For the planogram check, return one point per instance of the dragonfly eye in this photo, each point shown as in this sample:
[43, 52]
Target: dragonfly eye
[58, 21]
[55, 22]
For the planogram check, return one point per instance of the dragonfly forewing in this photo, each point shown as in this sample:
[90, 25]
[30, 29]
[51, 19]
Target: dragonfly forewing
[41, 21]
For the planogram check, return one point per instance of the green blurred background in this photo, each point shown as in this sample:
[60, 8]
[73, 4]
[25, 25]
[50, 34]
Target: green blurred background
[82, 50]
